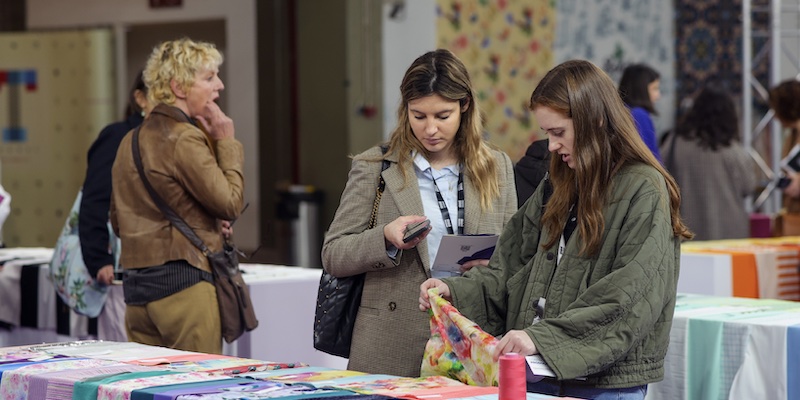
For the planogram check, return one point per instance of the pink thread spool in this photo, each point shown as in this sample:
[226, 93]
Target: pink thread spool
[512, 377]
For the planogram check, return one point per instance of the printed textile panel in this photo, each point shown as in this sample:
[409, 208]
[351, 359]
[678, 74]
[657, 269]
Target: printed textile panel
[507, 48]
[613, 34]
[709, 47]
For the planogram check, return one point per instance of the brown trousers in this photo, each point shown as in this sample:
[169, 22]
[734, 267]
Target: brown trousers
[187, 320]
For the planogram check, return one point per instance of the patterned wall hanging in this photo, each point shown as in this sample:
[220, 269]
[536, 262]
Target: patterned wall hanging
[613, 34]
[507, 48]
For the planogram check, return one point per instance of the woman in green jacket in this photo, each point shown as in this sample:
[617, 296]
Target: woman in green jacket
[586, 278]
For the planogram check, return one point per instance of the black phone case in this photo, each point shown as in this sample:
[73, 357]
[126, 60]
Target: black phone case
[416, 231]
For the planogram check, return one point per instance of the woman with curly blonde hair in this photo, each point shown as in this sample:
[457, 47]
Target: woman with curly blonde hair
[440, 168]
[194, 163]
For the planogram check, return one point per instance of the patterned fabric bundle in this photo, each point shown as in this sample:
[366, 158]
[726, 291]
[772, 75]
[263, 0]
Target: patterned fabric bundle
[458, 348]
[72, 280]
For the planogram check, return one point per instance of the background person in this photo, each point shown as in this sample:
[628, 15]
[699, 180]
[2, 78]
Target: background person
[194, 163]
[640, 89]
[96, 199]
[711, 167]
[589, 279]
[784, 99]
[531, 169]
[436, 149]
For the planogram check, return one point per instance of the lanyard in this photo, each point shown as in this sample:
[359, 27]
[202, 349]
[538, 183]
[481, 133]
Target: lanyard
[569, 228]
[443, 206]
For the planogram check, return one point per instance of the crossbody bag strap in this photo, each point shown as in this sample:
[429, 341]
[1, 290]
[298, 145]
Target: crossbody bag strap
[168, 212]
[373, 218]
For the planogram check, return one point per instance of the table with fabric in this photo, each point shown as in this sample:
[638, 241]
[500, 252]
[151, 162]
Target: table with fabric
[284, 299]
[755, 268]
[30, 311]
[114, 370]
[732, 348]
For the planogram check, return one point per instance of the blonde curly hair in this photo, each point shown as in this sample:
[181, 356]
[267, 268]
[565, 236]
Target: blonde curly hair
[177, 60]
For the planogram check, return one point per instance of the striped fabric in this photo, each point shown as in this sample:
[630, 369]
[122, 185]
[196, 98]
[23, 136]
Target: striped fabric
[732, 348]
[762, 268]
[58, 385]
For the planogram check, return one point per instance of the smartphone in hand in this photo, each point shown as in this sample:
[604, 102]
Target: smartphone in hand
[414, 230]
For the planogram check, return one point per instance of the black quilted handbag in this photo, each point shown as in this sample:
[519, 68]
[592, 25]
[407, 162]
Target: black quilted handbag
[337, 306]
[338, 299]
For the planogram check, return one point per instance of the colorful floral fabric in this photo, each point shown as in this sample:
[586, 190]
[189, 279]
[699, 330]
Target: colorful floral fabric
[59, 385]
[394, 384]
[458, 348]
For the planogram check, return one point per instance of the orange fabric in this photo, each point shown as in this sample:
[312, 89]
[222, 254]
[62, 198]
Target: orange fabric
[745, 275]
[743, 269]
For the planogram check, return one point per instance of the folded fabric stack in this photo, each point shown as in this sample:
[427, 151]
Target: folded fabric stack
[132, 371]
[764, 268]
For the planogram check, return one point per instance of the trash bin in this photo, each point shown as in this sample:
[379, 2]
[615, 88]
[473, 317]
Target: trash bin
[300, 205]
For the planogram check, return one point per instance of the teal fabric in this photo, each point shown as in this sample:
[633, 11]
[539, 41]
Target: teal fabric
[87, 389]
[703, 359]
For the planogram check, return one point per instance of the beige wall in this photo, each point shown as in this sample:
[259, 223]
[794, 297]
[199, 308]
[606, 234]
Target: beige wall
[70, 103]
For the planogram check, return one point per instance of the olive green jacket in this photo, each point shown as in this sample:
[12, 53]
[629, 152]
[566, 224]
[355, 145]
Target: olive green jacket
[607, 317]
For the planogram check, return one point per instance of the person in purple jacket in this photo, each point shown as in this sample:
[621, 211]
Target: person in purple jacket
[639, 88]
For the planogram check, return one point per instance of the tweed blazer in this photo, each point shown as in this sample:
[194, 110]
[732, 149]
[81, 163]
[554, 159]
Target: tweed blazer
[390, 331]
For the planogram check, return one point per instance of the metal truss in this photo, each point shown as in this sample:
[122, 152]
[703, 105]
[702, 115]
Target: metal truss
[772, 51]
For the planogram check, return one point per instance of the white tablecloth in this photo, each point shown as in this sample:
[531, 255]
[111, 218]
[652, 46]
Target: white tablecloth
[732, 348]
[285, 301]
[24, 328]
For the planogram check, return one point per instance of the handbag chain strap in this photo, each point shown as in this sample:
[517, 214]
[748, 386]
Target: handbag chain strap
[373, 218]
[168, 212]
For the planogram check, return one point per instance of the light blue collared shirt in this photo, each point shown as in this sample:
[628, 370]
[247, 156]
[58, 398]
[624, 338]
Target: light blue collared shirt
[447, 180]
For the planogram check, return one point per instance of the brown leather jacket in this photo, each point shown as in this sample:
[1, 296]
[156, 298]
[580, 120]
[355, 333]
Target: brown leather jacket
[199, 178]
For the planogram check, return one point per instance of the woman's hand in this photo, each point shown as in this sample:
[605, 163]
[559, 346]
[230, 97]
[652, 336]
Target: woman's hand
[793, 190]
[424, 301]
[473, 263]
[215, 122]
[395, 230]
[105, 275]
[227, 229]
[515, 342]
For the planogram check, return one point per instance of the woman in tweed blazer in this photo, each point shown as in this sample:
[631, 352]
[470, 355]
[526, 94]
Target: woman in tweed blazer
[437, 143]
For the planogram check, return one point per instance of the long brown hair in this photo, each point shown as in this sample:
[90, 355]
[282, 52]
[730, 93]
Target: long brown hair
[606, 140]
[440, 72]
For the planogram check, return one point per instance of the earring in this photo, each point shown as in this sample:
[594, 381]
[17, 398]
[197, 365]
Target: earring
[142, 113]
